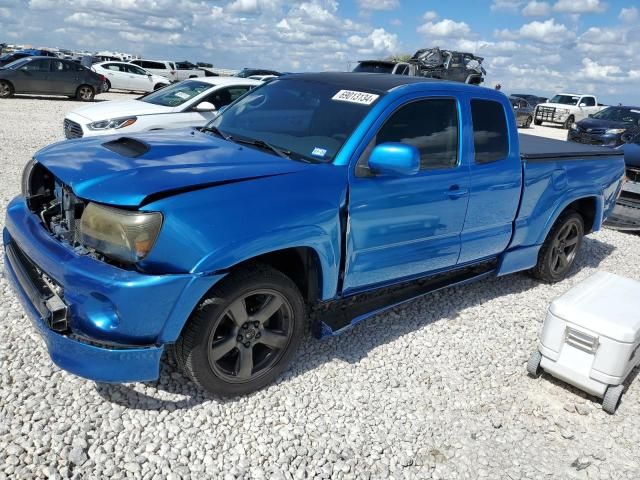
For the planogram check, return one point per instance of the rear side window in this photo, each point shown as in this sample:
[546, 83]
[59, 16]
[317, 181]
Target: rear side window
[589, 101]
[490, 137]
[58, 66]
[37, 66]
[154, 65]
[429, 125]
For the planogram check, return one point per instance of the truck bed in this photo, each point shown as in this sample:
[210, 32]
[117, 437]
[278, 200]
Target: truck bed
[536, 148]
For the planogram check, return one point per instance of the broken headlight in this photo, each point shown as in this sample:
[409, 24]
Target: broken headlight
[112, 123]
[26, 177]
[119, 234]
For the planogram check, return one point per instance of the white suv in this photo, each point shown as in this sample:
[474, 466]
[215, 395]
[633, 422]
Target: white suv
[163, 68]
[124, 76]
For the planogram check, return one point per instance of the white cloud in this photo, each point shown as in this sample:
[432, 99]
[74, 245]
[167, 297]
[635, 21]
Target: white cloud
[378, 4]
[592, 70]
[580, 6]
[430, 16]
[378, 41]
[536, 9]
[506, 5]
[445, 28]
[629, 15]
[548, 32]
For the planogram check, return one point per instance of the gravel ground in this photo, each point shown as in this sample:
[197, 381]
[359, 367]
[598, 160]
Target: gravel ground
[434, 389]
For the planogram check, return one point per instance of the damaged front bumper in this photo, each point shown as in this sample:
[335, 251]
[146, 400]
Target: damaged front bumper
[98, 321]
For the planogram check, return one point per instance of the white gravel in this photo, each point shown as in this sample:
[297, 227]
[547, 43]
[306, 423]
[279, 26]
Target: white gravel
[434, 389]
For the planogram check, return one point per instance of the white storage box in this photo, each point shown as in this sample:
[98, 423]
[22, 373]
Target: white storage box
[591, 337]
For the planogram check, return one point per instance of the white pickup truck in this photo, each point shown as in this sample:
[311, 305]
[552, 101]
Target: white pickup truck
[567, 108]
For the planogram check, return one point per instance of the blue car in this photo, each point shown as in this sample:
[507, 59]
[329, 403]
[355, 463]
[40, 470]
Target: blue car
[321, 198]
[610, 127]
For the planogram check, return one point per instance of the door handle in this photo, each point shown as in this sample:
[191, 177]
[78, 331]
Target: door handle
[456, 192]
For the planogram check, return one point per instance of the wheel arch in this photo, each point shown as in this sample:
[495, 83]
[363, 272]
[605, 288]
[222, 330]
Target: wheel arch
[589, 206]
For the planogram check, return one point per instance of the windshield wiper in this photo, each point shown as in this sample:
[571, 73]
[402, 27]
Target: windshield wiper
[217, 131]
[265, 146]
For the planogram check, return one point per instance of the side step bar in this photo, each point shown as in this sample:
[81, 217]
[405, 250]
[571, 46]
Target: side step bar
[334, 317]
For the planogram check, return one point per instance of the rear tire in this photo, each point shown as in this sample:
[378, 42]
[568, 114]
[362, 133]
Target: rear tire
[6, 89]
[527, 124]
[107, 86]
[85, 93]
[244, 333]
[559, 250]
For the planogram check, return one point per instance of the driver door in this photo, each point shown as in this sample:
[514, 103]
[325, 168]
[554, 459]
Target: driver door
[35, 77]
[409, 226]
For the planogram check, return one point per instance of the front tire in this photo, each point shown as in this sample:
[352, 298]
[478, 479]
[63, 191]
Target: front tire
[567, 123]
[85, 93]
[537, 122]
[107, 86]
[6, 89]
[244, 333]
[527, 124]
[558, 252]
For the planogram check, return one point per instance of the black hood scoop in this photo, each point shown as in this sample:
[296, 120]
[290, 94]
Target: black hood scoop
[127, 147]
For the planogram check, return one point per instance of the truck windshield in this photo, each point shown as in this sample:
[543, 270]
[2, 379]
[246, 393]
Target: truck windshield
[565, 99]
[308, 120]
[177, 94]
[620, 114]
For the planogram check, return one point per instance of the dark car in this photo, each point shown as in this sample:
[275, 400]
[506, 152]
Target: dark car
[610, 127]
[523, 111]
[532, 99]
[8, 58]
[249, 72]
[49, 76]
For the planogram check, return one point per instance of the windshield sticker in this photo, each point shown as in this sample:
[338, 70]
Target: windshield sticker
[182, 95]
[319, 152]
[363, 98]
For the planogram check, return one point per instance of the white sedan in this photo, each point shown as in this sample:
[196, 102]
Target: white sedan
[190, 103]
[126, 76]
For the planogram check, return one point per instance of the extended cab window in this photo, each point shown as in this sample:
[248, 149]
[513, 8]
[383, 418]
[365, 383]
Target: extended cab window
[588, 102]
[489, 131]
[429, 125]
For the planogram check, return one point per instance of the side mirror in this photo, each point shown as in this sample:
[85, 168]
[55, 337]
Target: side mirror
[395, 159]
[590, 115]
[205, 107]
[582, 105]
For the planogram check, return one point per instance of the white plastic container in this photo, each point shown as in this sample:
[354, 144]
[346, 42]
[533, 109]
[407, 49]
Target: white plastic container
[591, 337]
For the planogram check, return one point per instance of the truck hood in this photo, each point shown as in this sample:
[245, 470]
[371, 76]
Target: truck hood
[131, 171]
[116, 109]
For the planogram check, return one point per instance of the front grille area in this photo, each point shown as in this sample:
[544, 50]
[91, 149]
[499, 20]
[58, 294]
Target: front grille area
[545, 114]
[72, 129]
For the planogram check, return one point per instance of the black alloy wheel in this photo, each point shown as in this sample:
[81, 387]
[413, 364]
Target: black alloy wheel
[6, 90]
[244, 332]
[250, 336]
[558, 252]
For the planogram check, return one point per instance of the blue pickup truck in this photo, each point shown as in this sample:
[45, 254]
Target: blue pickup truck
[320, 198]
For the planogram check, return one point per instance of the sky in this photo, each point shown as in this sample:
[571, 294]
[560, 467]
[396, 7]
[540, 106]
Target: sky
[529, 46]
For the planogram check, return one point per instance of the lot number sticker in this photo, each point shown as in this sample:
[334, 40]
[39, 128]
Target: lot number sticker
[363, 98]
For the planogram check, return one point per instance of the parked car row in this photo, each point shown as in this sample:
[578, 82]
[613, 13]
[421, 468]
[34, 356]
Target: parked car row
[128, 76]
